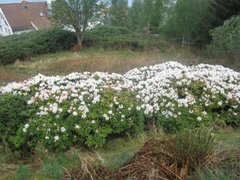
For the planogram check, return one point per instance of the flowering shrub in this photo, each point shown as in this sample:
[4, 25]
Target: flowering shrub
[179, 96]
[87, 108]
[113, 113]
[13, 112]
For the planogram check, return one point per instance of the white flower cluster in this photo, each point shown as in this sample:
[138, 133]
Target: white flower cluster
[156, 86]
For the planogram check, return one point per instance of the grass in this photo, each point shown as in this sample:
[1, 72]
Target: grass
[47, 165]
[229, 138]
[100, 60]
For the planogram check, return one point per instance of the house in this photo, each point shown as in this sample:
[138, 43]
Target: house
[21, 17]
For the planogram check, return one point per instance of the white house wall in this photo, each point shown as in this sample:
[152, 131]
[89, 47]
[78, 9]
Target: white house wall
[5, 28]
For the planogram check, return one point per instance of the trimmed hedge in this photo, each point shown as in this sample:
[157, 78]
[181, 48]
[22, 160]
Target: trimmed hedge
[33, 43]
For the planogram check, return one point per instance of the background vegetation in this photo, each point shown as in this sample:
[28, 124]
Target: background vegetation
[30, 44]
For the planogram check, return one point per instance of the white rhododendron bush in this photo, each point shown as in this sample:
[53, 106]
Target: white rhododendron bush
[88, 108]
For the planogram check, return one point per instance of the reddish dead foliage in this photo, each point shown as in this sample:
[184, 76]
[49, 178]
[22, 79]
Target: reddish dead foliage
[75, 48]
[153, 163]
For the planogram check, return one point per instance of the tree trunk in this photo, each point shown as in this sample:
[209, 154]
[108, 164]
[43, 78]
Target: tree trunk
[79, 39]
[183, 40]
[80, 35]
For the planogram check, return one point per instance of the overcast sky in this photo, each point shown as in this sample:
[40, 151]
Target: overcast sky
[13, 1]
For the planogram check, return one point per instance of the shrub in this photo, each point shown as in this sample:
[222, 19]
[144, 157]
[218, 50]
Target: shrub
[33, 43]
[14, 112]
[88, 108]
[226, 38]
[59, 132]
[120, 38]
[189, 116]
[177, 97]
[109, 31]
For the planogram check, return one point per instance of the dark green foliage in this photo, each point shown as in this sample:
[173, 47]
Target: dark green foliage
[33, 43]
[109, 37]
[222, 10]
[136, 16]
[93, 131]
[147, 8]
[156, 16]
[119, 13]
[109, 31]
[190, 22]
[226, 38]
[146, 15]
[14, 112]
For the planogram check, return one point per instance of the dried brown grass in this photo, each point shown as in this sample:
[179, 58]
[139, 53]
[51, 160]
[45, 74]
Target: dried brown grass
[86, 168]
[148, 164]
[101, 60]
[8, 75]
[171, 158]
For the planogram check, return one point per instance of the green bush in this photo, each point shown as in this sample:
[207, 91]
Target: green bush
[67, 130]
[109, 37]
[14, 112]
[109, 31]
[226, 38]
[33, 43]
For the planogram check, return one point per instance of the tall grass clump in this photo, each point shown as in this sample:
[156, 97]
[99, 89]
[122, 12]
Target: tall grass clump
[194, 147]
[173, 157]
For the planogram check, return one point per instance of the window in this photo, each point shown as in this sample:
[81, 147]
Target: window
[1, 16]
[1, 28]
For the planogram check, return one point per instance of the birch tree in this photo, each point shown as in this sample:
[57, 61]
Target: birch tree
[77, 14]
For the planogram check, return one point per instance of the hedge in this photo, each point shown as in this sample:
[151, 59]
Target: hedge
[33, 43]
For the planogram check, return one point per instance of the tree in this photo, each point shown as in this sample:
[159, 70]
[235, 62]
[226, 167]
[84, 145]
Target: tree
[137, 16]
[77, 14]
[146, 15]
[156, 15]
[148, 9]
[119, 13]
[226, 38]
[222, 10]
[190, 22]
